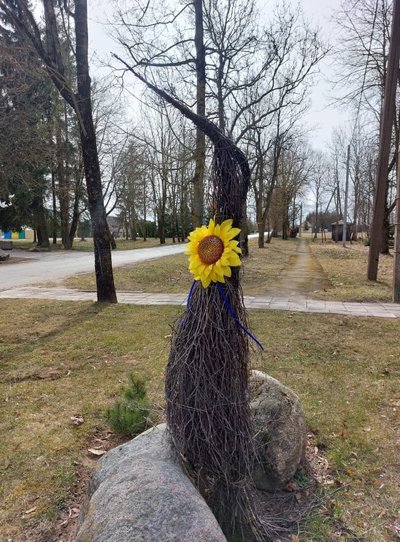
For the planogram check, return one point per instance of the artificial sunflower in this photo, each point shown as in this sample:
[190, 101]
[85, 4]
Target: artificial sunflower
[212, 252]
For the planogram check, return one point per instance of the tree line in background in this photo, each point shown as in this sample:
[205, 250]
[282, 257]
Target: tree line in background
[70, 154]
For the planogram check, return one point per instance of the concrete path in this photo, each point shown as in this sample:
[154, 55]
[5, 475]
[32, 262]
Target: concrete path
[45, 267]
[378, 310]
[303, 275]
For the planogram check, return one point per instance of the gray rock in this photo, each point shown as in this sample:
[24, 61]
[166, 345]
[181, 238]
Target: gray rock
[281, 431]
[139, 493]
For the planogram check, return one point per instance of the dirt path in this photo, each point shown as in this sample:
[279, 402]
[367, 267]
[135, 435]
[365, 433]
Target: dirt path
[303, 276]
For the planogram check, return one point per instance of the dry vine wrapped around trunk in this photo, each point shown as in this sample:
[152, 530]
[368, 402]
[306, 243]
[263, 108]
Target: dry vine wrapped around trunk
[206, 385]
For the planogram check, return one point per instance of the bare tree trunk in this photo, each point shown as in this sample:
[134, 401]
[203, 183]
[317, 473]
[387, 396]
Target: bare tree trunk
[75, 210]
[388, 115]
[161, 230]
[40, 222]
[54, 215]
[200, 151]
[133, 228]
[261, 230]
[144, 229]
[396, 247]
[386, 225]
[316, 217]
[63, 189]
[101, 237]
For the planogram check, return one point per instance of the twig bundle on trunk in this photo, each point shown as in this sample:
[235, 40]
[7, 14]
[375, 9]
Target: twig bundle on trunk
[208, 411]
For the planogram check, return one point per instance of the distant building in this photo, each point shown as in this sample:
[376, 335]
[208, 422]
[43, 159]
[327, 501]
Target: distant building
[25, 233]
[337, 231]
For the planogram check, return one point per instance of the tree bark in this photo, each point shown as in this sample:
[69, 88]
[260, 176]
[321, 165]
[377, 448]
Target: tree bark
[200, 151]
[63, 189]
[396, 246]
[387, 119]
[40, 222]
[101, 238]
[54, 211]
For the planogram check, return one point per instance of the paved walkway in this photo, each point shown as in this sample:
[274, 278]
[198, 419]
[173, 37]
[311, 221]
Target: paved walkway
[41, 268]
[292, 304]
[303, 275]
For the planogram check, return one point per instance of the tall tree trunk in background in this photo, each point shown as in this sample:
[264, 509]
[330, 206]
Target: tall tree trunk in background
[144, 228]
[39, 217]
[261, 221]
[133, 227]
[316, 217]
[200, 151]
[386, 227]
[63, 188]
[75, 212]
[101, 237]
[396, 246]
[161, 229]
[54, 210]
[387, 119]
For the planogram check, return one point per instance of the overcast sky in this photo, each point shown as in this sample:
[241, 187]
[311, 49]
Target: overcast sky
[321, 115]
[321, 118]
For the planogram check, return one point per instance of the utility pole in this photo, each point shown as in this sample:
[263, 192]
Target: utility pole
[346, 197]
[387, 119]
[396, 247]
[301, 218]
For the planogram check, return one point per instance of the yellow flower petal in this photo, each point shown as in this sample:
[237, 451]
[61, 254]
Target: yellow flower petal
[234, 260]
[226, 225]
[233, 233]
[205, 282]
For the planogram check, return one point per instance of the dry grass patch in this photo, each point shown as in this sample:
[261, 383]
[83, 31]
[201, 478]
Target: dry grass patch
[170, 274]
[346, 268]
[59, 359]
[167, 274]
[87, 244]
[346, 373]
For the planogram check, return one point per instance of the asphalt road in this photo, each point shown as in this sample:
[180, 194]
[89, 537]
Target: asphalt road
[46, 267]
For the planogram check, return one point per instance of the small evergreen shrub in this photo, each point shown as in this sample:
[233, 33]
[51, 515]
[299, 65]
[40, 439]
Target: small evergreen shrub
[131, 415]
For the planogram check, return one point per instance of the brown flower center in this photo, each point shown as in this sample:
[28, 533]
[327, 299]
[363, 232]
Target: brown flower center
[210, 249]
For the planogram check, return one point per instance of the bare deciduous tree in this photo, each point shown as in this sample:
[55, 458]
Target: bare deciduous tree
[77, 93]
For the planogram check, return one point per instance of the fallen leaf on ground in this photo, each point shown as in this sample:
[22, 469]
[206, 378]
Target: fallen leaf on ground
[395, 528]
[98, 453]
[77, 419]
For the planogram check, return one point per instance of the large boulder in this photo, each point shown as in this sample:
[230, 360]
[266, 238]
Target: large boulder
[139, 493]
[281, 431]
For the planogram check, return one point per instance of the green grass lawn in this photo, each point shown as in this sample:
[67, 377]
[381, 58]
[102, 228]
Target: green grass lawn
[60, 359]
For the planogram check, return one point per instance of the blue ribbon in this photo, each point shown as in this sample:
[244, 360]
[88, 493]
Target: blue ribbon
[233, 314]
[228, 306]
[190, 294]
